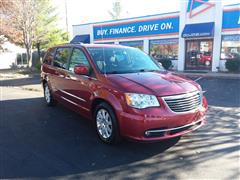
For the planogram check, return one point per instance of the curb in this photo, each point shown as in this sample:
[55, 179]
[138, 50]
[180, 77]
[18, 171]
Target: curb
[17, 76]
[24, 88]
[30, 89]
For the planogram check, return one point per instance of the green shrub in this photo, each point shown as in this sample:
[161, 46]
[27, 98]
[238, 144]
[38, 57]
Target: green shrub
[233, 65]
[166, 63]
[38, 66]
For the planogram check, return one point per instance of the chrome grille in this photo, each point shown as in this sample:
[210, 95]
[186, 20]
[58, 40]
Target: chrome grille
[184, 102]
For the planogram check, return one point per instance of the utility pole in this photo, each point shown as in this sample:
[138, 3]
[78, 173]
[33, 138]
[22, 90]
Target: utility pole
[66, 15]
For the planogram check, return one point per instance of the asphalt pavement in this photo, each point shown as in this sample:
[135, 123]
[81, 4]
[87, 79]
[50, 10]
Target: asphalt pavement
[37, 141]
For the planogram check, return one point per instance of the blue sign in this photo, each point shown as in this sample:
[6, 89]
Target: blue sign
[131, 43]
[231, 19]
[85, 38]
[150, 27]
[198, 30]
[232, 37]
[163, 41]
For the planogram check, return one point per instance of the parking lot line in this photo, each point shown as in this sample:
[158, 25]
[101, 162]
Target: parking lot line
[198, 79]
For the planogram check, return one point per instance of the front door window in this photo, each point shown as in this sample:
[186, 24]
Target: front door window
[77, 58]
[198, 54]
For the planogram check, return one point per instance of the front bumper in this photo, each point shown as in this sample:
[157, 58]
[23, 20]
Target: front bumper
[155, 124]
[147, 132]
[176, 131]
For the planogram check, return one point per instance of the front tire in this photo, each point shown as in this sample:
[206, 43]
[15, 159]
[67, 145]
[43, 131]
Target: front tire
[48, 95]
[106, 124]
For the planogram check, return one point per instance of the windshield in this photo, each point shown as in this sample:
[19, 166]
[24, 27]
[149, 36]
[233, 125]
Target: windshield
[122, 60]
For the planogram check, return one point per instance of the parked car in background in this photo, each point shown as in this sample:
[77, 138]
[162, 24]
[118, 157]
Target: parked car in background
[123, 90]
[205, 58]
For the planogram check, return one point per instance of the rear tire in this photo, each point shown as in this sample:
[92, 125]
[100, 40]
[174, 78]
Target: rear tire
[48, 95]
[106, 124]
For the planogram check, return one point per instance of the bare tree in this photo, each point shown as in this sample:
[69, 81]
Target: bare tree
[30, 18]
[116, 10]
[7, 31]
[19, 15]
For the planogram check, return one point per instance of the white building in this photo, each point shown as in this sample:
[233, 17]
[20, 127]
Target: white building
[199, 37]
[11, 56]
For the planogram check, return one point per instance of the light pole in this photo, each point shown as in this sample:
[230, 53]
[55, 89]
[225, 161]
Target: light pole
[66, 15]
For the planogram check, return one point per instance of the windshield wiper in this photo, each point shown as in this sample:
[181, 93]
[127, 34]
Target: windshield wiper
[143, 70]
[148, 70]
[136, 71]
[113, 72]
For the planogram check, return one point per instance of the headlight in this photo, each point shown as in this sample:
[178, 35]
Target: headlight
[141, 101]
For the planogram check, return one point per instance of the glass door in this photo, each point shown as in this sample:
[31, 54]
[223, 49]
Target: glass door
[198, 54]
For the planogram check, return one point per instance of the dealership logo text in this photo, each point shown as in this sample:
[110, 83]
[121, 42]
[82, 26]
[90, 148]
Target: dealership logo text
[134, 29]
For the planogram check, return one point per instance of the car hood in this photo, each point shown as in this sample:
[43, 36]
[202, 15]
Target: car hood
[157, 83]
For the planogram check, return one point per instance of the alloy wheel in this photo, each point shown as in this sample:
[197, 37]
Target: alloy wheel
[47, 94]
[104, 123]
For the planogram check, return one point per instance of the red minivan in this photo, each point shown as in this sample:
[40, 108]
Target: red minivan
[125, 92]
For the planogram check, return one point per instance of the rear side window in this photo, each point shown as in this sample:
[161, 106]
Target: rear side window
[48, 59]
[78, 57]
[61, 58]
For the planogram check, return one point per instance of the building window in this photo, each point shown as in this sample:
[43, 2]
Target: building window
[198, 55]
[136, 44]
[230, 47]
[22, 59]
[164, 49]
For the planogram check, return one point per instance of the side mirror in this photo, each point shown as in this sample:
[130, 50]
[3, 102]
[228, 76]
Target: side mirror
[81, 70]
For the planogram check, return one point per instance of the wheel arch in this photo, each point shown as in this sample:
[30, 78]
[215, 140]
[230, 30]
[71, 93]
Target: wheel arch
[108, 96]
[99, 100]
[44, 81]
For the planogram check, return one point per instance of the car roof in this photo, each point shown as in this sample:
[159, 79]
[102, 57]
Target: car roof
[93, 45]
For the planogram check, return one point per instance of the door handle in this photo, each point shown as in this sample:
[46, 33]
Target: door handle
[67, 76]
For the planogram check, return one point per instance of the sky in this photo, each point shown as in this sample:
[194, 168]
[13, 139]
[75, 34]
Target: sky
[87, 11]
